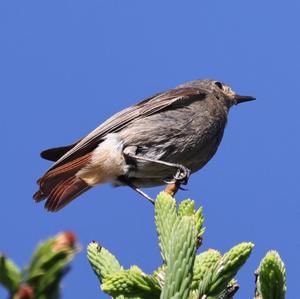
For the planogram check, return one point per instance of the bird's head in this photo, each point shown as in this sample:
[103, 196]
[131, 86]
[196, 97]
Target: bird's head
[221, 89]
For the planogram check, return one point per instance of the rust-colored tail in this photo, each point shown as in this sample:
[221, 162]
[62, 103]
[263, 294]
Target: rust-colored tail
[60, 185]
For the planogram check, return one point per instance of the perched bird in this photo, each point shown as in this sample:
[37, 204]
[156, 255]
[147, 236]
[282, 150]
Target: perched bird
[161, 139]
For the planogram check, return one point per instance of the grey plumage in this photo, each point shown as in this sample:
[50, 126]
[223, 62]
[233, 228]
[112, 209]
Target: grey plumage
[182, 126]
[187, 135]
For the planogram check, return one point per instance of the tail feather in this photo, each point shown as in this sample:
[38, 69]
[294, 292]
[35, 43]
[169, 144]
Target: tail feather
[57, 192]
[39, 196]
[61, 185]
[65, 192]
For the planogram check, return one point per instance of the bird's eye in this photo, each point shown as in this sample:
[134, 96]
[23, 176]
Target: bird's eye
[219, 84]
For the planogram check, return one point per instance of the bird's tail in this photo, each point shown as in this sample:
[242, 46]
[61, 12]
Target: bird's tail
[61, 185]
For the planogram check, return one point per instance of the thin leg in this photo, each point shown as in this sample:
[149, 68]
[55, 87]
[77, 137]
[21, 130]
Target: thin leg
[127, 182]
[132, 186]
[182, 174]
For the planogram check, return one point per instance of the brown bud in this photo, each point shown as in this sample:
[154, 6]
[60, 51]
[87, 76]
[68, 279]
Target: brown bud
[25, 292]
[65, 240]
[172, 188]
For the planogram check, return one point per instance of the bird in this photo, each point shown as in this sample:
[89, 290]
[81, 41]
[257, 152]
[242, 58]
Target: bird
[161, 139]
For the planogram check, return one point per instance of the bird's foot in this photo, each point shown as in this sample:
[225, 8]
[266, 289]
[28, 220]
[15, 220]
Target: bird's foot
[182, 175]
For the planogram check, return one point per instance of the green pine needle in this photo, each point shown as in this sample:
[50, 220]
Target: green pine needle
[102, 261]
[271, 282]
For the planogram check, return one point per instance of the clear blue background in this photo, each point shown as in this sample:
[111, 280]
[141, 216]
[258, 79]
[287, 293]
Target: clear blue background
[65, 66]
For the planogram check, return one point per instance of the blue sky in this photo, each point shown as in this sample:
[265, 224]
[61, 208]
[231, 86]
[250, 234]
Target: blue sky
[65, 66]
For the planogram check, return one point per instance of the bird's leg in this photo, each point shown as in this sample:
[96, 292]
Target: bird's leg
[182, 175]
[133, 187]
[141, 192]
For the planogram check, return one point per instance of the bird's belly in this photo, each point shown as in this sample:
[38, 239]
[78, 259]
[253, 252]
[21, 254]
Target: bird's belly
[194, 157]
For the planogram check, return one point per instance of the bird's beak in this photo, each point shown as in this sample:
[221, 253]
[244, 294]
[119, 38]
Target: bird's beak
[240, 99]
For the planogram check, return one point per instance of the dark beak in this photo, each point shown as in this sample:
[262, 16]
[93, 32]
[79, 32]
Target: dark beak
[241, 99]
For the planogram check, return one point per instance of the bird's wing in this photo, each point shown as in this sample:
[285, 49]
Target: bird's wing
[149, 106]
[54, 154]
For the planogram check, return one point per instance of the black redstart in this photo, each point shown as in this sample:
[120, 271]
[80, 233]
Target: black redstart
[159, 140]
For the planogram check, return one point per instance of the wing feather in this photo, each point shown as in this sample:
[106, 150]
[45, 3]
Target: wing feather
[121, 119]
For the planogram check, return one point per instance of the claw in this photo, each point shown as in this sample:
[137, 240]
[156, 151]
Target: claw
[182, 175]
